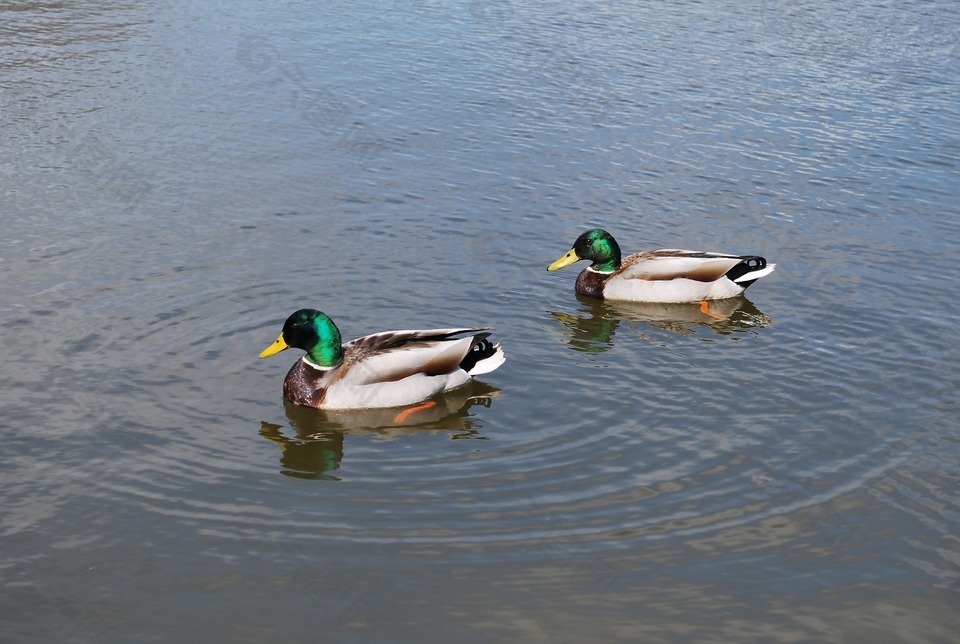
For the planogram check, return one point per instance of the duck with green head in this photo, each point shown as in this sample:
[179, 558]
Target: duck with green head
[667, 275]
[388, 369]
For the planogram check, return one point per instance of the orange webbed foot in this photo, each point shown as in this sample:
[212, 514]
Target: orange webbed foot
[705, 309]
[410, 411]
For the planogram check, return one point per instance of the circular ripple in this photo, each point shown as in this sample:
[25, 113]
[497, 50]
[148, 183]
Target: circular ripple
[613, 447]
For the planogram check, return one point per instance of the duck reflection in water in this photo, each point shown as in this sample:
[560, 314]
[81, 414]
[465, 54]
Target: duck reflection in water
[315, 447]
[592, 326]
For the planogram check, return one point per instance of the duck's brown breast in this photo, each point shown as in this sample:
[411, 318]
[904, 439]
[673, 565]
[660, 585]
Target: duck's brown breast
[590, 283]
[304, 385]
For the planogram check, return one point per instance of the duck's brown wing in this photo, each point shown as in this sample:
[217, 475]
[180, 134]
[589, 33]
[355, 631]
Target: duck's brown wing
[673, 263]
[394, 355]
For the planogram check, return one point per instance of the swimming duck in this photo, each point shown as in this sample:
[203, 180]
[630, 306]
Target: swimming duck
[388, 369]
[668, 275]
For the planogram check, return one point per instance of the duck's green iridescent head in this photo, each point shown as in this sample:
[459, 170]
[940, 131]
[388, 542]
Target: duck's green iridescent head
[315, 333]
[598, 246]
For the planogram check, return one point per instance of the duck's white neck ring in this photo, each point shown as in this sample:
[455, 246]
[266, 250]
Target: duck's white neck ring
[593, 270]
[315, 366]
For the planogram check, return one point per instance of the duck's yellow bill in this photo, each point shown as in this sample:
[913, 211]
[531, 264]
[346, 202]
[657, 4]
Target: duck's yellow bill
[274, 348]
[566, 260]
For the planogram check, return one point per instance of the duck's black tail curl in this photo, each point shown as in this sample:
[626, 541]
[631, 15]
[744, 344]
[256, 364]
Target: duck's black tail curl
[481, 349]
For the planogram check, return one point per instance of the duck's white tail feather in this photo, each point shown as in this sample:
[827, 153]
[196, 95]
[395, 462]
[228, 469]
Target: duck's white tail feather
[489, 363]
[755, 275]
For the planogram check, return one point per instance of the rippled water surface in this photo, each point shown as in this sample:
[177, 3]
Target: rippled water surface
[176, 178]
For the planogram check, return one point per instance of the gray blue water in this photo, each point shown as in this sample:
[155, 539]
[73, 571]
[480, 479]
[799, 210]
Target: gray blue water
[176, 178]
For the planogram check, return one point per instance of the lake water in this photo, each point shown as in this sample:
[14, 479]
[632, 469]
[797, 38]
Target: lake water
[176, 178]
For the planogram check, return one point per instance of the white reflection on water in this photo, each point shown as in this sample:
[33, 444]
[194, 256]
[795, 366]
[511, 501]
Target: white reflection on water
[593, 326]
[317, 446]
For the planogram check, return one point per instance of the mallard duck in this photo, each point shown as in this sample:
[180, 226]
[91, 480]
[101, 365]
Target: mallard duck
[669, 275]
[388, 369]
